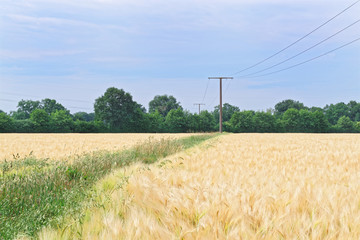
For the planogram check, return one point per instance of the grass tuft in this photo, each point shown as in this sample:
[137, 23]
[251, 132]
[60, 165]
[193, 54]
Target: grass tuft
[36, 192]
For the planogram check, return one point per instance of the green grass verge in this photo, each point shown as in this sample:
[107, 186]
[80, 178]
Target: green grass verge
[35, 193]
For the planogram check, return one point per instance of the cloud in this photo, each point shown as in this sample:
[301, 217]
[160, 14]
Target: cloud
[36, 54]
[56, 21]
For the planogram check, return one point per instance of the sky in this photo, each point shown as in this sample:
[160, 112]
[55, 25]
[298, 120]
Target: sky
[72, 51]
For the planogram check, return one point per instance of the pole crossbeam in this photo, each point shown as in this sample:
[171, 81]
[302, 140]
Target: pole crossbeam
[199, 105]
[220, 115]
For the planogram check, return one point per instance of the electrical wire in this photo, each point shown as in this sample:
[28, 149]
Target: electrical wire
[60, 99]
[207, 86]
[302, 52]
[309, 60]
[292, 44]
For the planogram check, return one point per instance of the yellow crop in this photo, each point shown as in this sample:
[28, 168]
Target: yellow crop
[242, 186]
[59, 146]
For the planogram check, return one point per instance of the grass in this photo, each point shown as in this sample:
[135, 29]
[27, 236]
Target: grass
[35, 192]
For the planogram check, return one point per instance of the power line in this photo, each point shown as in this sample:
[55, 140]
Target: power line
[207, 86]
[11, 100]
[7, 100]
[309, 60]
[302, 52]
[292, 44]
[59, 99]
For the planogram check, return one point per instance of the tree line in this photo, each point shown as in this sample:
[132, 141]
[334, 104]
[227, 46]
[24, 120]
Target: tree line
[116, 111]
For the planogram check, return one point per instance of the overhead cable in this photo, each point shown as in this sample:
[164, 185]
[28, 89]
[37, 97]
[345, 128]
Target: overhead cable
[292, 44]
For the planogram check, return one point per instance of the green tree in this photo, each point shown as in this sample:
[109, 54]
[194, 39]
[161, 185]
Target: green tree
[163, 104]
[207, 121]
[291, 120]
[319, 122]
[83, 116]
[193, 122]
[357, 127]
[354, 110]
[345, 125]
[306, 123]
[156, 122]
[51, 106]
[264, 122]
[283, 106]
[176, 121]
[334, 112]
[228, 110]
[25, 108]
[6, 123]
[61, 121]
[314, 109]
[117, 109]
[41, 120]
[24, 126]
[241, 122]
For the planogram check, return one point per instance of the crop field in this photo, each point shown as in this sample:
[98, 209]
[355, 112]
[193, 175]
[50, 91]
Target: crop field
[236, 186]
[62, 146]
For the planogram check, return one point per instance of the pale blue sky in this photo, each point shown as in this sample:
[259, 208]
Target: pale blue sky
[72, 51]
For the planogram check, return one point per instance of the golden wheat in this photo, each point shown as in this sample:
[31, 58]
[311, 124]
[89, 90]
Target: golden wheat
[60, 146]
[244, 186]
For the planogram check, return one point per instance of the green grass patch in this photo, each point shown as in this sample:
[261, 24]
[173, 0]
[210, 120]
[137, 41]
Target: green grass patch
[35, 193]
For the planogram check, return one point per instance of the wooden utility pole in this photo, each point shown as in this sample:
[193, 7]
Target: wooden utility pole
[220, 114]
[199, 105]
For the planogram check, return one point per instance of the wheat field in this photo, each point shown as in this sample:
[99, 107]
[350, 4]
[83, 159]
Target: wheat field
[238, 186]
[64, 146]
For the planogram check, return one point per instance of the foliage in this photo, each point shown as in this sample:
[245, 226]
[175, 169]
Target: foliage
[228, 110]
[264, 122]
[61, 121]
[176, 122]
[51, 106]
[334, 112]
[283, 106]
[41, 120]
[163, 104]
[117, 109]
[6, 123]
[83, 116]
[345, 124]
[242, 122]
[156, 122]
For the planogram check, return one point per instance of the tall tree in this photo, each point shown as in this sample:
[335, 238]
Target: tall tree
[264, 122]
[117, 109]
[228, 111]
[25, 108]
[242, 122]
[334, 112]
[83, 116]
[354, 110]
[207, 121]
[176, 121]
[163, 104]
[41, 120]
[283, 106]
[51, 106]
[320, 123]
[345, 125]
[291, 120]
[6, 123]
[61, 121]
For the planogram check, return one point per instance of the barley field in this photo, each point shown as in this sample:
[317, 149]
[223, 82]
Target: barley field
[237, 186]
[63, 146]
